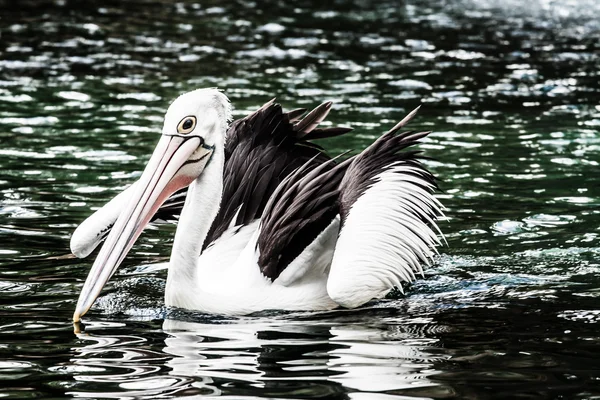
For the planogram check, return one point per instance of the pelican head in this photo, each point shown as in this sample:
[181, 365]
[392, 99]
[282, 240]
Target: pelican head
[194, 128]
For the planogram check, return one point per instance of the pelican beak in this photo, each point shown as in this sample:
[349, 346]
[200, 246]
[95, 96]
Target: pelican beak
[168, 170]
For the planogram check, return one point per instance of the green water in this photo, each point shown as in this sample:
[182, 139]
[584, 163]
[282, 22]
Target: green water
[512, 94]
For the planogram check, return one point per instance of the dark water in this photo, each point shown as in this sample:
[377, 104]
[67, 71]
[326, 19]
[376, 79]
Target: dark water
[512, 93]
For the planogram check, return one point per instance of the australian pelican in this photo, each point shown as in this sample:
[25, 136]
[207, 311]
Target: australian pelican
[269, 221]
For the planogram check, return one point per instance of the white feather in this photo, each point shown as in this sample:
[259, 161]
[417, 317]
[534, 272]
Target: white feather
[385, 238]
[228, 279]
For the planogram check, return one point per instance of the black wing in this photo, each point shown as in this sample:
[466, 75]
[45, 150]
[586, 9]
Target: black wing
[306, 203]
[261, 150]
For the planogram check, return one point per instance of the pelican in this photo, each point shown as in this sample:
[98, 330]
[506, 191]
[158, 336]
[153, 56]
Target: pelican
[269, 220]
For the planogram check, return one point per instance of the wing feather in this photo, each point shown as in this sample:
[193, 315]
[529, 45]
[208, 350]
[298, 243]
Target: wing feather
[388, 220]
[262, 150]
[301, 208]
[312, 119]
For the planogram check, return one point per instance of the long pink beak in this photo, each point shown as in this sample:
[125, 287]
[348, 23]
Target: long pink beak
[159, 180]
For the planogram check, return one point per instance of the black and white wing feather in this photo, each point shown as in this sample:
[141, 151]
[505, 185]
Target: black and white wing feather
[261, 151]
[388, 220]
[301, 208]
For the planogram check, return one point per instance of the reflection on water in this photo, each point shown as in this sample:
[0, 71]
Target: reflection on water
[510, 90]
[269, 356]
[400, 348]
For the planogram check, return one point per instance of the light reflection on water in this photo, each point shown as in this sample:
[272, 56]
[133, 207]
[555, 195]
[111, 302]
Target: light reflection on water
[511, 92]
[224, 357]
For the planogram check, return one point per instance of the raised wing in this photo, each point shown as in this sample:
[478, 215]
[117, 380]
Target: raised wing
[384, 199]
[388, 220]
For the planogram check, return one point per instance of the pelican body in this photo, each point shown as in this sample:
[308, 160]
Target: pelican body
[266, 219]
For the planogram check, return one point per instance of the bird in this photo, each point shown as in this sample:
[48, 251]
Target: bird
[266, 219]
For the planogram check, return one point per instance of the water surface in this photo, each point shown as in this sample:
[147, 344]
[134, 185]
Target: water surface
[510, 310]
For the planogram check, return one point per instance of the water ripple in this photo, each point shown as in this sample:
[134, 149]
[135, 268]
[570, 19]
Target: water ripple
[510, 90]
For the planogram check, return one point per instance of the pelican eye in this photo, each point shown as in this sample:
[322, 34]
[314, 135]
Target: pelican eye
[186, 125]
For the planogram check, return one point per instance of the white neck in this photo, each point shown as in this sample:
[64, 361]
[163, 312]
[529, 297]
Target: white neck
[200, 209]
